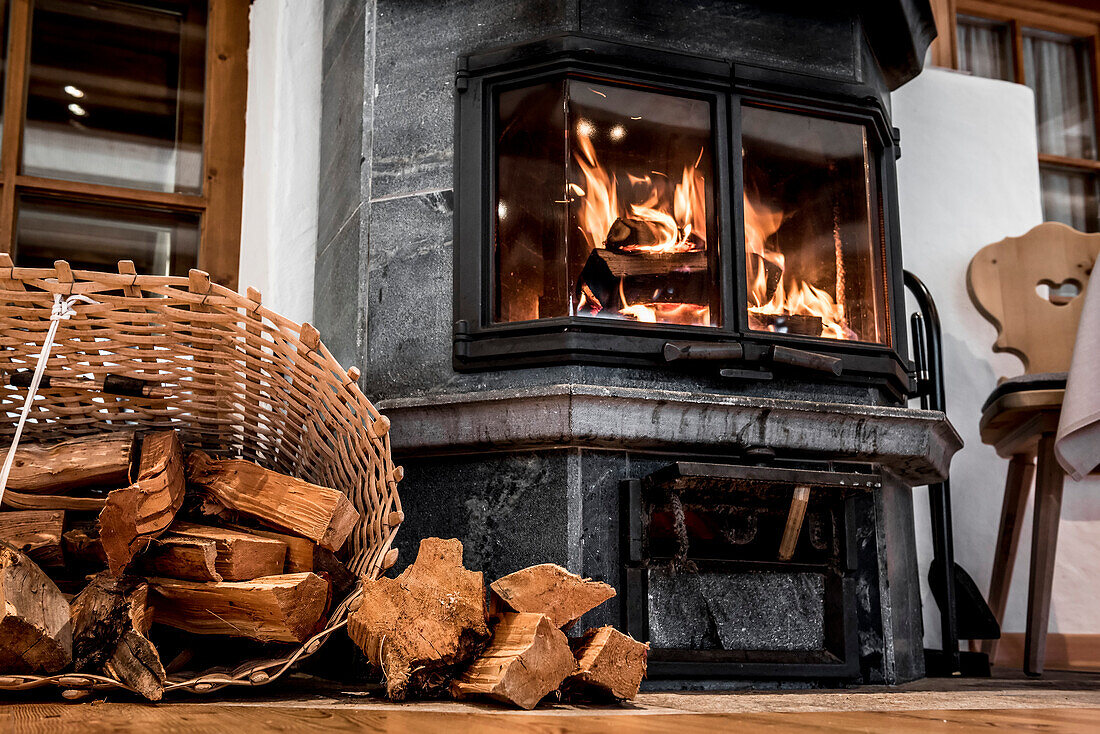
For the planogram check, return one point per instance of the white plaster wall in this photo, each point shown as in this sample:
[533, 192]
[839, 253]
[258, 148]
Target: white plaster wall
[968, 176]
[282, 154]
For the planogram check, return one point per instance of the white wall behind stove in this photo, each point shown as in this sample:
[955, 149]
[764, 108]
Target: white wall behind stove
[282, 154]
[969, 176]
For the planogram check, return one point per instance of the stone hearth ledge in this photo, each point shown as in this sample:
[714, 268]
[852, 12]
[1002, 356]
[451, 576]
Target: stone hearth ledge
[915, 445]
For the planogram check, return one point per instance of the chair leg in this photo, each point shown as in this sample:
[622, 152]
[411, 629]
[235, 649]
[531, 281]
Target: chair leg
[1044, 542]
[1021, 470]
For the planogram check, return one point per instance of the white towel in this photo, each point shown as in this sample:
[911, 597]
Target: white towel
[1077, 444]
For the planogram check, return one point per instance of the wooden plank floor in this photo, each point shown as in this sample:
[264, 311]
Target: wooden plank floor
[1061, 704]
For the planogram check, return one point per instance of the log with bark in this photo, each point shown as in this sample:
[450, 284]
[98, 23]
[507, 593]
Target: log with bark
[551, 590]
[136, 514]
[282, 608]
[111, 620]
[322, 514]
[419, 627]
[100, 460]
[527, 658]
[35, 532]
[35, 632]
[610, 665]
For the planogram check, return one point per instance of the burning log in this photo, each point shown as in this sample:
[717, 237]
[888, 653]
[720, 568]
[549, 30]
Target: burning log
[610, 664]
[421, 625]
[35, 532]
[283, 608]
[101, 460]
[322, 514]
[527, 658]
[35, 634]
[111, 622]
[628, 235]
[786, 323]
[135, 515]
[551, 590]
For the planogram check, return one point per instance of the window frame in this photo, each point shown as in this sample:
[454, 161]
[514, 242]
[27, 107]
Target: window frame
[218, 206]
[1020, 14]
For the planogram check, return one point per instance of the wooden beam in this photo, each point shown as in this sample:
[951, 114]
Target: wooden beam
[799, 499]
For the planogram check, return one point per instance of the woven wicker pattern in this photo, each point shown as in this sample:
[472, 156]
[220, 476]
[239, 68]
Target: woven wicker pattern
[244, 382]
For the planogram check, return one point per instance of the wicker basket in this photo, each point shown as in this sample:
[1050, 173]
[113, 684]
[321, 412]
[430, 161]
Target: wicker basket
[244, 382]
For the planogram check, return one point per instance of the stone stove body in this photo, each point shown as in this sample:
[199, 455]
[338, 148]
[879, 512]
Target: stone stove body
[555, 321]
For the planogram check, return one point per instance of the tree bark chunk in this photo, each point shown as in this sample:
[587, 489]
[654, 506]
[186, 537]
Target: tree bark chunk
[138, 513]
[551, 590]
[100, 460]
[241, 556]
[322, 514]
[283, 608]
[35, 631]
[425, 623]
[35, 532]
[611, 664]
[110, 634]
[527, 658]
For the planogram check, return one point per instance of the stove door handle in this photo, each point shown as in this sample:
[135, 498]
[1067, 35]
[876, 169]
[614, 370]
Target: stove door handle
[675, 351]
[809, 360]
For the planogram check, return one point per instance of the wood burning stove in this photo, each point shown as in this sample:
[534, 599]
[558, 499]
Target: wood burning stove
[612, 199]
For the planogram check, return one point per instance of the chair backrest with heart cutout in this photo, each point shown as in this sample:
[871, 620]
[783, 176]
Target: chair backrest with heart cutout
[1032, 289]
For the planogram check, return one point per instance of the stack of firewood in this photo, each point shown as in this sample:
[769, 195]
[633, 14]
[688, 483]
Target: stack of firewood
[431, 632]
[134, 532]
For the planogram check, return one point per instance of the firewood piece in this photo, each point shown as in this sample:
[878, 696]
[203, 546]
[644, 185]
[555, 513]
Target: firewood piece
[110, 620]
[611, 664]
[83, 548]
[241, 556]
[100, 460]
[283, 608]
[35, 635]
[527, 658]
[179, 557]
[423, 624]
[21, 501]
[551, 590]
[322, 514]
[799, 499]
[299, 550]
[138, 513]
[35, 532]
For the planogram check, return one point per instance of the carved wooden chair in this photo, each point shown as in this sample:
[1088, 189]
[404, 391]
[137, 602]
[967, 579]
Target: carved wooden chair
[1032, 289]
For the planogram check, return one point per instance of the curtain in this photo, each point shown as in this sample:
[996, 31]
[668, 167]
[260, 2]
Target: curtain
[985, 47]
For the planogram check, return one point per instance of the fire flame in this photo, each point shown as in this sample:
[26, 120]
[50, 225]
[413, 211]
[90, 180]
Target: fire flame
[791, 296]
[677, 223]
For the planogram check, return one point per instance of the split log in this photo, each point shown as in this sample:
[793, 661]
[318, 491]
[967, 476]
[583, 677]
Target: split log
[111, 622]
[177, 557]
[35, 634]
[610, 664]
[82, 548]
[35, 532]
[284, 608]
[100, 460]
[22, 501]
[527, 658]
[425, 623]
[138, 513]
[299, 550]
[322, 514]
[241, 556]
[551, 590]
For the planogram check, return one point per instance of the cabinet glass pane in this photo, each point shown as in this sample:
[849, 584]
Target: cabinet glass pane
[95, 237]
[115, 93]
